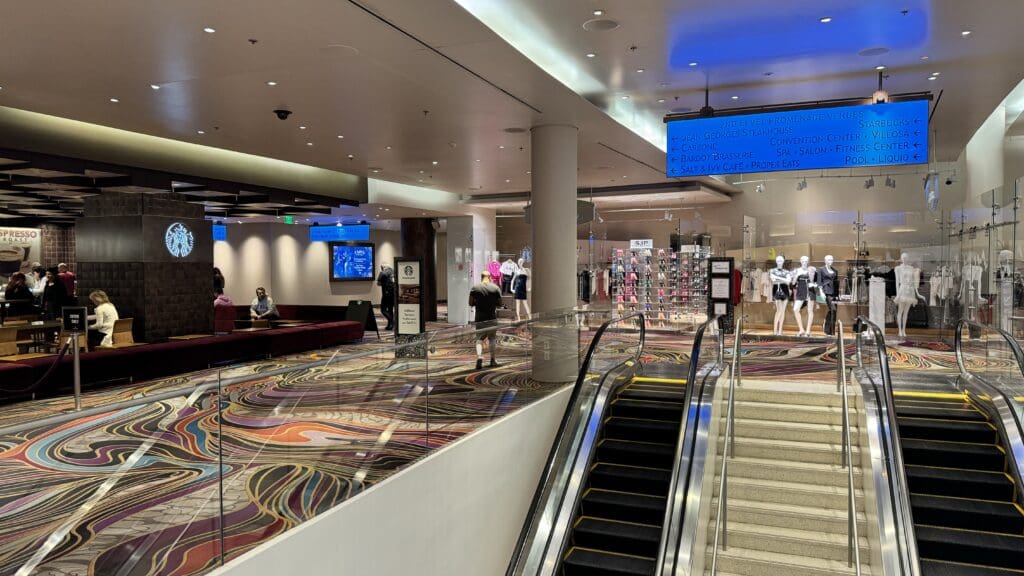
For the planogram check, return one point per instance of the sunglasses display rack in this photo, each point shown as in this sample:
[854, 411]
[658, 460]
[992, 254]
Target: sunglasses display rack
[669, 287]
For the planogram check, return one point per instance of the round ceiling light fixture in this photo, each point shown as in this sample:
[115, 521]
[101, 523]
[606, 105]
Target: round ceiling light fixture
[825, 19]
[600, 25]
[693, 64]
[591, 55]
[209, 30]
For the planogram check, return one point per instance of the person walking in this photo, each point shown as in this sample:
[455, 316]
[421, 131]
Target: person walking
[101, 331]
[485, 297]
[55, 295]
[386, 281]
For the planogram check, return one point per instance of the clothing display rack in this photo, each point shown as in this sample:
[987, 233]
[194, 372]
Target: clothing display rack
[670, 287]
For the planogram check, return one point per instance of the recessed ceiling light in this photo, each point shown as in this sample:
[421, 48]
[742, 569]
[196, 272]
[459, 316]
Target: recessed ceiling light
[924, 57]
[507, 180]
[936, 73]
[434, 162]
[933, 77]
[114, 100]
[421, 171]
[660, 100]
[387, 147]
[271, 83]
[200, 132]
[624, 97]
[387, 209]
[501, 147]
[302, 127]
[350, 156]
[154, 86]
[591, 55]
[309, 143]
[692, 64]
[825, 19]
[880, 67]
[639, 70]
[209, 30]
[598, 12]
[965, 33]
[528, 172]
[341, 136]
[477, 160]
[735, 97]
[420, 180]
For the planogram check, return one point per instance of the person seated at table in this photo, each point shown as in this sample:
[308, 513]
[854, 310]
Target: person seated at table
[262, 307]
[19, 296]
[222, 299]
[55, 295]
[101, 331]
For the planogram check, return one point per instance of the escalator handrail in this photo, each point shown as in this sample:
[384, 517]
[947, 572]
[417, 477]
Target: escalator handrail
[900, 493]
[549, 466]
[674, 512]
[1015, 453]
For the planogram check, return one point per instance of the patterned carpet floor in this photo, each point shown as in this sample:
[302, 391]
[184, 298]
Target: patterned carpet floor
[141, 490]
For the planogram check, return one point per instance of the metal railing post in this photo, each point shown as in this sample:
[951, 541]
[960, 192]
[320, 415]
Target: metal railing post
[722, 517]
[853, 540]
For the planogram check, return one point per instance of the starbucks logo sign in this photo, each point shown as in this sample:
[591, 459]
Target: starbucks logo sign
[179, 240]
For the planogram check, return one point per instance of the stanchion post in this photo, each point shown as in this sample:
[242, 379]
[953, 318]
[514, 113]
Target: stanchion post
[76, 359]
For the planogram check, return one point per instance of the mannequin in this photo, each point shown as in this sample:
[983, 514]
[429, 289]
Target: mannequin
[804, 286]
[520, 288]
[780, 293]
[826, 278]
[1004, 293]
[907, 279]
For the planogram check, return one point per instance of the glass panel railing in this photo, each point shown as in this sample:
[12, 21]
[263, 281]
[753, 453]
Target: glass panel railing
[992, 372]
[181, 481]
[895, 519]
[611, 357]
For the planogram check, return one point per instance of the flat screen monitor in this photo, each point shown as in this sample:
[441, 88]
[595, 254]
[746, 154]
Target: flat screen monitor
[352, 261]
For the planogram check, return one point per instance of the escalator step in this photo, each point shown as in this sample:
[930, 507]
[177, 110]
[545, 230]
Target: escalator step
[594, 563]
[984, 457]
[948, 430]
[983, 515]
[633, 453]
[620, 537]
[660, 431]
[667, 395]
[626, 507]
[653, 481]
[998, 550]
[959, 483]
[938, 568]
[626, 408]
[964, 412]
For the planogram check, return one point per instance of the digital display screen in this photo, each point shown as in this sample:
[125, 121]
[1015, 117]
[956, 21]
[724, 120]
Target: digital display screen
[339, 233]
[220, 232]
[840, 137]
[352, 261]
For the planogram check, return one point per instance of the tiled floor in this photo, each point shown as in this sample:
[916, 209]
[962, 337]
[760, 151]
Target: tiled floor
[143, 485]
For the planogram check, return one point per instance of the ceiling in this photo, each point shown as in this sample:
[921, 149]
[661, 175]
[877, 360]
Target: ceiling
[441, 93]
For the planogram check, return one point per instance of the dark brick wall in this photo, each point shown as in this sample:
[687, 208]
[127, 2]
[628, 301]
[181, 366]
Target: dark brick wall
[122, 253]
[58, 246]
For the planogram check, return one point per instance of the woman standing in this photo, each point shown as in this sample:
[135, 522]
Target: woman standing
[101, 331]
[55, 296]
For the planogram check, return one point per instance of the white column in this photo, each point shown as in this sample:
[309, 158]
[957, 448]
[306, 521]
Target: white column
[553, 180]
[553, 197]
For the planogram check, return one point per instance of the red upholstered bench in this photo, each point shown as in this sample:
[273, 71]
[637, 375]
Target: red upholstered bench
[15, 381]
[342, 332]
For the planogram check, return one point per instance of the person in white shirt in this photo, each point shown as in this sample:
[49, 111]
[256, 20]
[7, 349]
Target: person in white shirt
[101, 331]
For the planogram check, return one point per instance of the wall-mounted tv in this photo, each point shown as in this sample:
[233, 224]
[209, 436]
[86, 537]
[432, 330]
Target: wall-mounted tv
[352, 261]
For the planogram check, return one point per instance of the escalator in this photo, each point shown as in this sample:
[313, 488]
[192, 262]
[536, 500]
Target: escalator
[964, 502]
[618, 524]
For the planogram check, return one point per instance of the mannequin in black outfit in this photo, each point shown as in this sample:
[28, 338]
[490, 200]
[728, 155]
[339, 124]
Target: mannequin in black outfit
[827, 277]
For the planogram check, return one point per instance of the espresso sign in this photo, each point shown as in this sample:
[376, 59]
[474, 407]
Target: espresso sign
[19, 247]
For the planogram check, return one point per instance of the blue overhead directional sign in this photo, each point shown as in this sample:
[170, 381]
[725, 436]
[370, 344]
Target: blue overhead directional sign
[843, 137]
[339, 233]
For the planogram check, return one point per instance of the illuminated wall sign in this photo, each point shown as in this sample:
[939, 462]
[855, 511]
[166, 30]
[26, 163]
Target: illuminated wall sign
[843, 137]
[339, 233]
[220, 232]
[179, 240]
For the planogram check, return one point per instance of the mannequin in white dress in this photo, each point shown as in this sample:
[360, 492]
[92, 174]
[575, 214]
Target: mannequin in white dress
[780, 293]
[907, 280]
[804, 286]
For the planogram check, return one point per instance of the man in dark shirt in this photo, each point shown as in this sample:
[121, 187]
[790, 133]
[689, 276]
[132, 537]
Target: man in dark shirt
[485, 297]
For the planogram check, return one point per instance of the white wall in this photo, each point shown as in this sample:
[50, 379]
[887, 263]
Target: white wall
[458, 512]
[294, 270]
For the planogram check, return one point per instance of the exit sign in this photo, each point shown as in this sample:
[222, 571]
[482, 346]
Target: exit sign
[289, 219]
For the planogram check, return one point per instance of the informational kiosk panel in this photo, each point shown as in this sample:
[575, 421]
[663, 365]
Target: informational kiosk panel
[839, 137]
